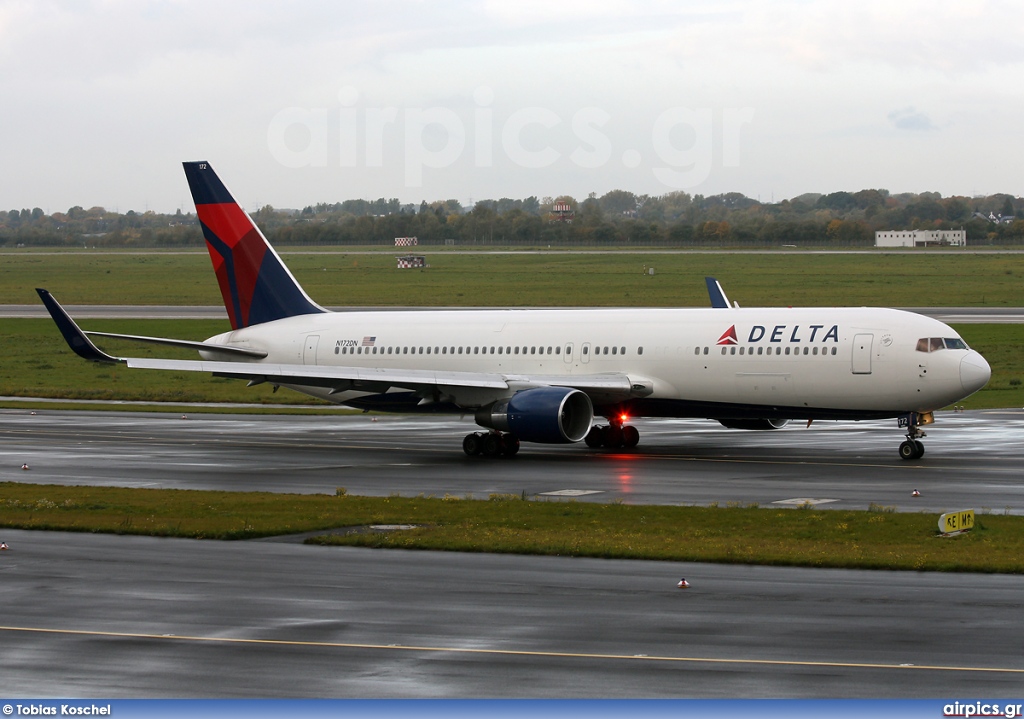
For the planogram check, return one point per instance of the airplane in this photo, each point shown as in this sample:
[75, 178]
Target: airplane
[546, 375]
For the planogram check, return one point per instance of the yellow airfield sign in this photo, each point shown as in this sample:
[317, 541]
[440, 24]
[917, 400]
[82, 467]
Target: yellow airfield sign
[956, 521]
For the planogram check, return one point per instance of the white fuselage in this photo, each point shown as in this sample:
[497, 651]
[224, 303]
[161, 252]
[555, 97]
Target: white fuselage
[853, 360]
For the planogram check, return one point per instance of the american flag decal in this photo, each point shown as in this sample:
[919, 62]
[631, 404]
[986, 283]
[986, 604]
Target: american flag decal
[368, 341]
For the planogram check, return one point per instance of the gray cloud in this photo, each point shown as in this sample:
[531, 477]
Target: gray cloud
[908, 118]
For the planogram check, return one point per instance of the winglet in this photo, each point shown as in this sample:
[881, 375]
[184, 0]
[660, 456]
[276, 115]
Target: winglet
[73, 335]
[717, 294]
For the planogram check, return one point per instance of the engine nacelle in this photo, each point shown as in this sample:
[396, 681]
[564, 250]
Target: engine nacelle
[549, 415]
[754, 423]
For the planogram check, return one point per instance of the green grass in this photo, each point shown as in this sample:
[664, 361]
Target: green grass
[542, 280]
[36, 362]
[798, 537]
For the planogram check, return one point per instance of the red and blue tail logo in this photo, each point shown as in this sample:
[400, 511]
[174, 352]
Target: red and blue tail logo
[255, 284]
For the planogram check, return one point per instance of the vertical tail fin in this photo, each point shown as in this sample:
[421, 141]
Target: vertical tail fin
[255, 284]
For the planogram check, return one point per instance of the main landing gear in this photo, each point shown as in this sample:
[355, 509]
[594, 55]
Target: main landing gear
[613, 435]
[490, 444]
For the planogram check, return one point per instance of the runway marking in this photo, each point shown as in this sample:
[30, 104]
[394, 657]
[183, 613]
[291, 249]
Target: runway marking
[798, 501]
[508, 652]
[571, 492]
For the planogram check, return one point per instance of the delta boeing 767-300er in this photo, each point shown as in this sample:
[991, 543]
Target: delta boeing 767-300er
[546, 375]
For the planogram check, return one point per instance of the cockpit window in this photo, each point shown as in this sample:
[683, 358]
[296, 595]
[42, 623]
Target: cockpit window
[934, 344]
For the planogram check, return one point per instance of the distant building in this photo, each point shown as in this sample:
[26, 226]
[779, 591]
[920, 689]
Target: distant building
[921, 238]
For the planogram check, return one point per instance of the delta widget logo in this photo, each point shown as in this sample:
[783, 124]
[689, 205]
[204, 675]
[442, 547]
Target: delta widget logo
[729, 338]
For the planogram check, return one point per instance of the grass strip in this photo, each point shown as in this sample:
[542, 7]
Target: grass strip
[908, 279]
[874, 539]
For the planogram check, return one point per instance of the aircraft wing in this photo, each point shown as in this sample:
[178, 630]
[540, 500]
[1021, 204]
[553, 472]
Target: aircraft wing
[465, 388]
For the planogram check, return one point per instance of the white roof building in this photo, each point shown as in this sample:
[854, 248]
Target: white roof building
[920, 238]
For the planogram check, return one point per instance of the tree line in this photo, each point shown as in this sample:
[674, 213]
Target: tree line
[617, 218]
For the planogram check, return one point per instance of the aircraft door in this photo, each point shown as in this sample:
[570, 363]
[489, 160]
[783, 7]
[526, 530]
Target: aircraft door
[309, 354]
[862, 353]
[567, 353]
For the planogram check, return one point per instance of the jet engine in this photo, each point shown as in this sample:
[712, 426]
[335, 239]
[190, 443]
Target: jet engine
[549, 415]
[754, 423]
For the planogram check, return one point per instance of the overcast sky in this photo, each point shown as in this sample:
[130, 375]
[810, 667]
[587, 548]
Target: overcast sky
[304, 102]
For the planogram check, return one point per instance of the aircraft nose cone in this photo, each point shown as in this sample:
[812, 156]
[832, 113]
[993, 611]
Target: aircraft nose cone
[974, 372]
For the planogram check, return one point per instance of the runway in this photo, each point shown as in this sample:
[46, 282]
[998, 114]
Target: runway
[109, 616]
[972, 459]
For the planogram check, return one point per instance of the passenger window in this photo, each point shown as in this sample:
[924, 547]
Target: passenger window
[696, 350]
[815, 352]
[723, 350]
[558, 350]
[732, 351]
[705, 350]
[517, 350]
[760, 350]
[639, 350]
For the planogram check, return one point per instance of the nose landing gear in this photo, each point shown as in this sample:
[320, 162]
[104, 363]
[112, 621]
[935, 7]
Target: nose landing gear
[912, 448]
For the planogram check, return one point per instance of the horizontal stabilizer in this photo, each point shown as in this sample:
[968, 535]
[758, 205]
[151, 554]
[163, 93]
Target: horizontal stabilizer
[186, 344]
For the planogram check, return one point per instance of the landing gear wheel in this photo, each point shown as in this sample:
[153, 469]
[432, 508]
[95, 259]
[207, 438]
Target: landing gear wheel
[472, 445]
[911, 449]
[595, 437]
[511, 443]
[919, 446]
[630, 436]
[492, 445]
[613, 436]
[907, 450]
